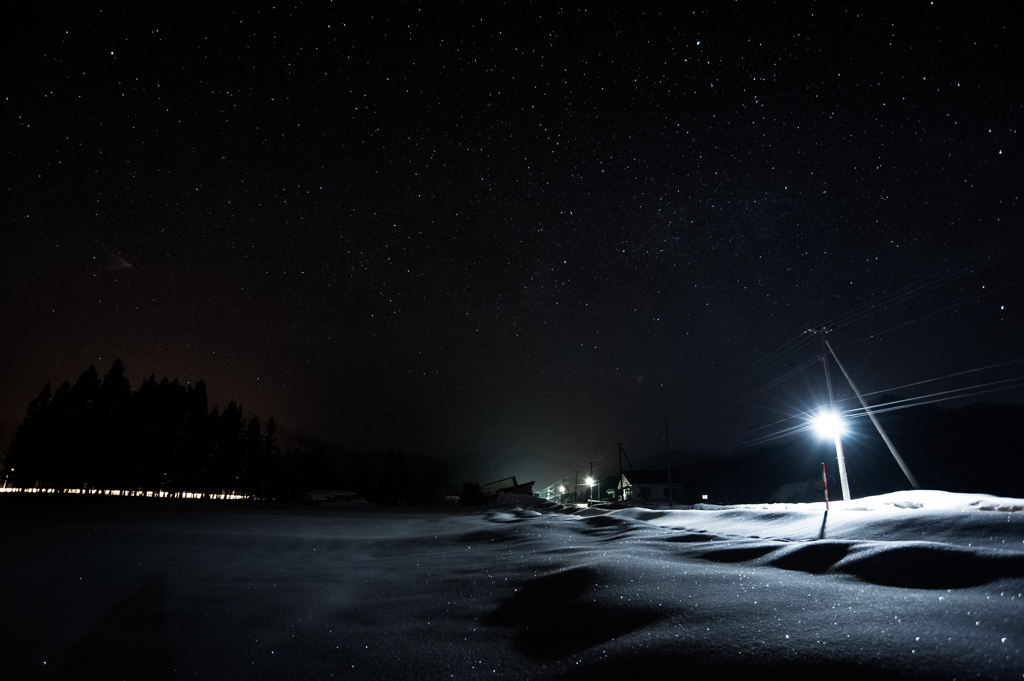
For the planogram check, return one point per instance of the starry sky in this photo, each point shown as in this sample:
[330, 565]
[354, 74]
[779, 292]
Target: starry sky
[514, 235]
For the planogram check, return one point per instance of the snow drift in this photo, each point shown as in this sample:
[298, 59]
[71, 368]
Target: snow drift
[909, 585]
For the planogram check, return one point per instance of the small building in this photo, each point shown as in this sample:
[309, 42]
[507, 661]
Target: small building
[506, 485]
[649, 486]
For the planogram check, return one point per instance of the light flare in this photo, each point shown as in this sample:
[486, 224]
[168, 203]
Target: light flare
[828, 424]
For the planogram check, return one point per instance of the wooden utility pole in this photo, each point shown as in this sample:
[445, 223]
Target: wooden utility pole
[832, 405]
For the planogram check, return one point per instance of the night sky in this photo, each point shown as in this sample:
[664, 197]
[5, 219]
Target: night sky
[513, 236]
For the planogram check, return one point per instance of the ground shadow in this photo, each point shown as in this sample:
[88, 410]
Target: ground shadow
[738, 554]
[131, 641]
[541, 607]
[692, 538]
[816, 557]
[930, 566]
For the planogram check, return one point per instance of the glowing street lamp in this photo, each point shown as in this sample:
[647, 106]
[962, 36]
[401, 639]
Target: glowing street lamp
[827, 423]
[590, 484]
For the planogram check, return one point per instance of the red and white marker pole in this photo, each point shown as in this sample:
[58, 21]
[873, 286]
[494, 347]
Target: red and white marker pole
[825, 478]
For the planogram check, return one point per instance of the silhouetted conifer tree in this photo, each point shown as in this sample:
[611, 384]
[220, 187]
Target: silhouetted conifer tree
[115, 460]
[79, 444]
[161, 437]
[252, 459]
[27, 458]
[229, 443]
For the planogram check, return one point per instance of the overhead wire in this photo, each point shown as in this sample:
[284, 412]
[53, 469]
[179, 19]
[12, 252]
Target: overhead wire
[868, 309]
[775, 355]
[788, 432]
[774, 423]
[772, 384]
[923, 285]
[930, 314]
[940, 399]
[1007, 383]
[940, 378]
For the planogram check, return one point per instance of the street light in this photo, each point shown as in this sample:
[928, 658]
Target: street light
[828, 423]
[590, 484]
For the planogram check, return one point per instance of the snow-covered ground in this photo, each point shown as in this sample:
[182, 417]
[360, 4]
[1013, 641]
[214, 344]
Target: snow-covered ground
[912, 585]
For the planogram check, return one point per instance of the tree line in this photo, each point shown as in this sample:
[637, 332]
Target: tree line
[99, 434]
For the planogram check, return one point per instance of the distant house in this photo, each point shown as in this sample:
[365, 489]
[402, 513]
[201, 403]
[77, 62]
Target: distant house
[649, 486]
[506, 486]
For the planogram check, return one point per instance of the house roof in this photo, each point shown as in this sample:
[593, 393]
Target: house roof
[497, 485]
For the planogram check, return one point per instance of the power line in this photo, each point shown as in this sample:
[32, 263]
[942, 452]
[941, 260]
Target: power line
[930, 314]
[868, 309]
[1007, 383]
[923, 285]
[940, 378]
[945, 399]
[772, 384]
[917, 288]
[771, 357]
[788, 432]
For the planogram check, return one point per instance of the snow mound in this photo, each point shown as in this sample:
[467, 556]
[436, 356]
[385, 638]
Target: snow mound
[539, 610]
[914, 565]
[924, 539]
[526, 591]
[933, 500]
[929, 565]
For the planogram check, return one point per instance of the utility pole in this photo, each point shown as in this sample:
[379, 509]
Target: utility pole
[832, 404]
[669, 462]
[874, 420]
[591, 498]
[622, 453]
[618, 485]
